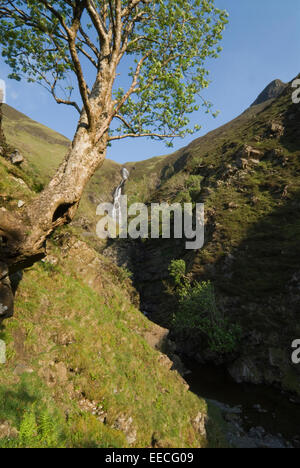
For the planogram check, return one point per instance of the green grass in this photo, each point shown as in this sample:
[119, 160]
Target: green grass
[98, 341]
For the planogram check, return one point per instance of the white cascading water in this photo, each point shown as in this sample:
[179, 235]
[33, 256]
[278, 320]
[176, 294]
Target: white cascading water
[116, 214]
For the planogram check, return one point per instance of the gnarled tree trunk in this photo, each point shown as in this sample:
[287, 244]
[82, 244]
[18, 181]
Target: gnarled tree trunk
[24, 235]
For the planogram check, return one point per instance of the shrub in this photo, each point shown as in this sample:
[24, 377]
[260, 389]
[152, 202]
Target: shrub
[177, 270]
[197, 310]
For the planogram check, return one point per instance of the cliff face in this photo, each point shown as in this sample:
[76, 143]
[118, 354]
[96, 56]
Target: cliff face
[247, 174]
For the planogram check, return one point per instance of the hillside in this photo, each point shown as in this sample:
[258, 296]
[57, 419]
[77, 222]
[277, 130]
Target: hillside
[247, 174]
[43, 148]
[84, 366]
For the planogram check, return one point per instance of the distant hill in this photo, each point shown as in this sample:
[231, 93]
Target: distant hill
[42, 147]
[272, 91]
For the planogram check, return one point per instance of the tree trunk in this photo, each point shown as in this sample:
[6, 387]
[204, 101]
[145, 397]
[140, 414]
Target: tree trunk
[24, 236]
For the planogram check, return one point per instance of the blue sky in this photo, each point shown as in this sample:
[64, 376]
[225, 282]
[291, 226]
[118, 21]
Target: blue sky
[261, 43]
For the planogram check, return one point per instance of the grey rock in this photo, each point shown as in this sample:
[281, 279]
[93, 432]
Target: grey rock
[22, 369]
[244, 370]
[16, 158]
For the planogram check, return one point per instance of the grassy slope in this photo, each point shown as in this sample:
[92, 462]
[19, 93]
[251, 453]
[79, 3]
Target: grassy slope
[146, 176]
[80, 371]
[245, 209]
[43, 148]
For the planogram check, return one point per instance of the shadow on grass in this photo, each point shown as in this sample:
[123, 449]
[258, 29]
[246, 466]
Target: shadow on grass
[14, 402]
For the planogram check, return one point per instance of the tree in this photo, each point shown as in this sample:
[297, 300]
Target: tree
[166, 43]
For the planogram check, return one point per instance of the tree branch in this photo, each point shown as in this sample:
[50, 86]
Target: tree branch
[88, 56]
[140, 135]
[97, 22]
[63, 101]
[124, 121]
[89, 43]
[132, 88]
[56, 14]
[134, 3]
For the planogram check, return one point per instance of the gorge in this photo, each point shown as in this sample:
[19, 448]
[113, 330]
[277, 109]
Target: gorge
[247, 175]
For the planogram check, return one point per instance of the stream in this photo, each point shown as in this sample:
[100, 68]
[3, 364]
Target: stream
[257, 416]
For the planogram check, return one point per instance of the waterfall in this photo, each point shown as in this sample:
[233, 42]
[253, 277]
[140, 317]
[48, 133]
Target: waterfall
[116, 214]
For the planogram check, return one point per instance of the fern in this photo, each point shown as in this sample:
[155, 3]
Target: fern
[49, 430]
[28, 429]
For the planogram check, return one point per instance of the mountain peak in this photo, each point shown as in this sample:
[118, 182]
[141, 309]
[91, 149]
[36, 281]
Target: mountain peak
[273, 90]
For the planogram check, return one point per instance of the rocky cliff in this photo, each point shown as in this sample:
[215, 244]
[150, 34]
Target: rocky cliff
[247, 174]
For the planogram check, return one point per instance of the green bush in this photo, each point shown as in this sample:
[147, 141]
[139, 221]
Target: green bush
[125, 274]
[177, 270]
[197, 310]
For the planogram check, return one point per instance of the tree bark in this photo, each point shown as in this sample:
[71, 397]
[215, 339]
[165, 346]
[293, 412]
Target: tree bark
[24, 236]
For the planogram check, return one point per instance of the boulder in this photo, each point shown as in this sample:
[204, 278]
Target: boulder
[7, 430]
[248, 151]
[247, 155]
[21, 369]
[125, 424]
[245, 370]
[275, 129]
[16, 157]
[157, 337]
[200, 423]
[2, 352]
